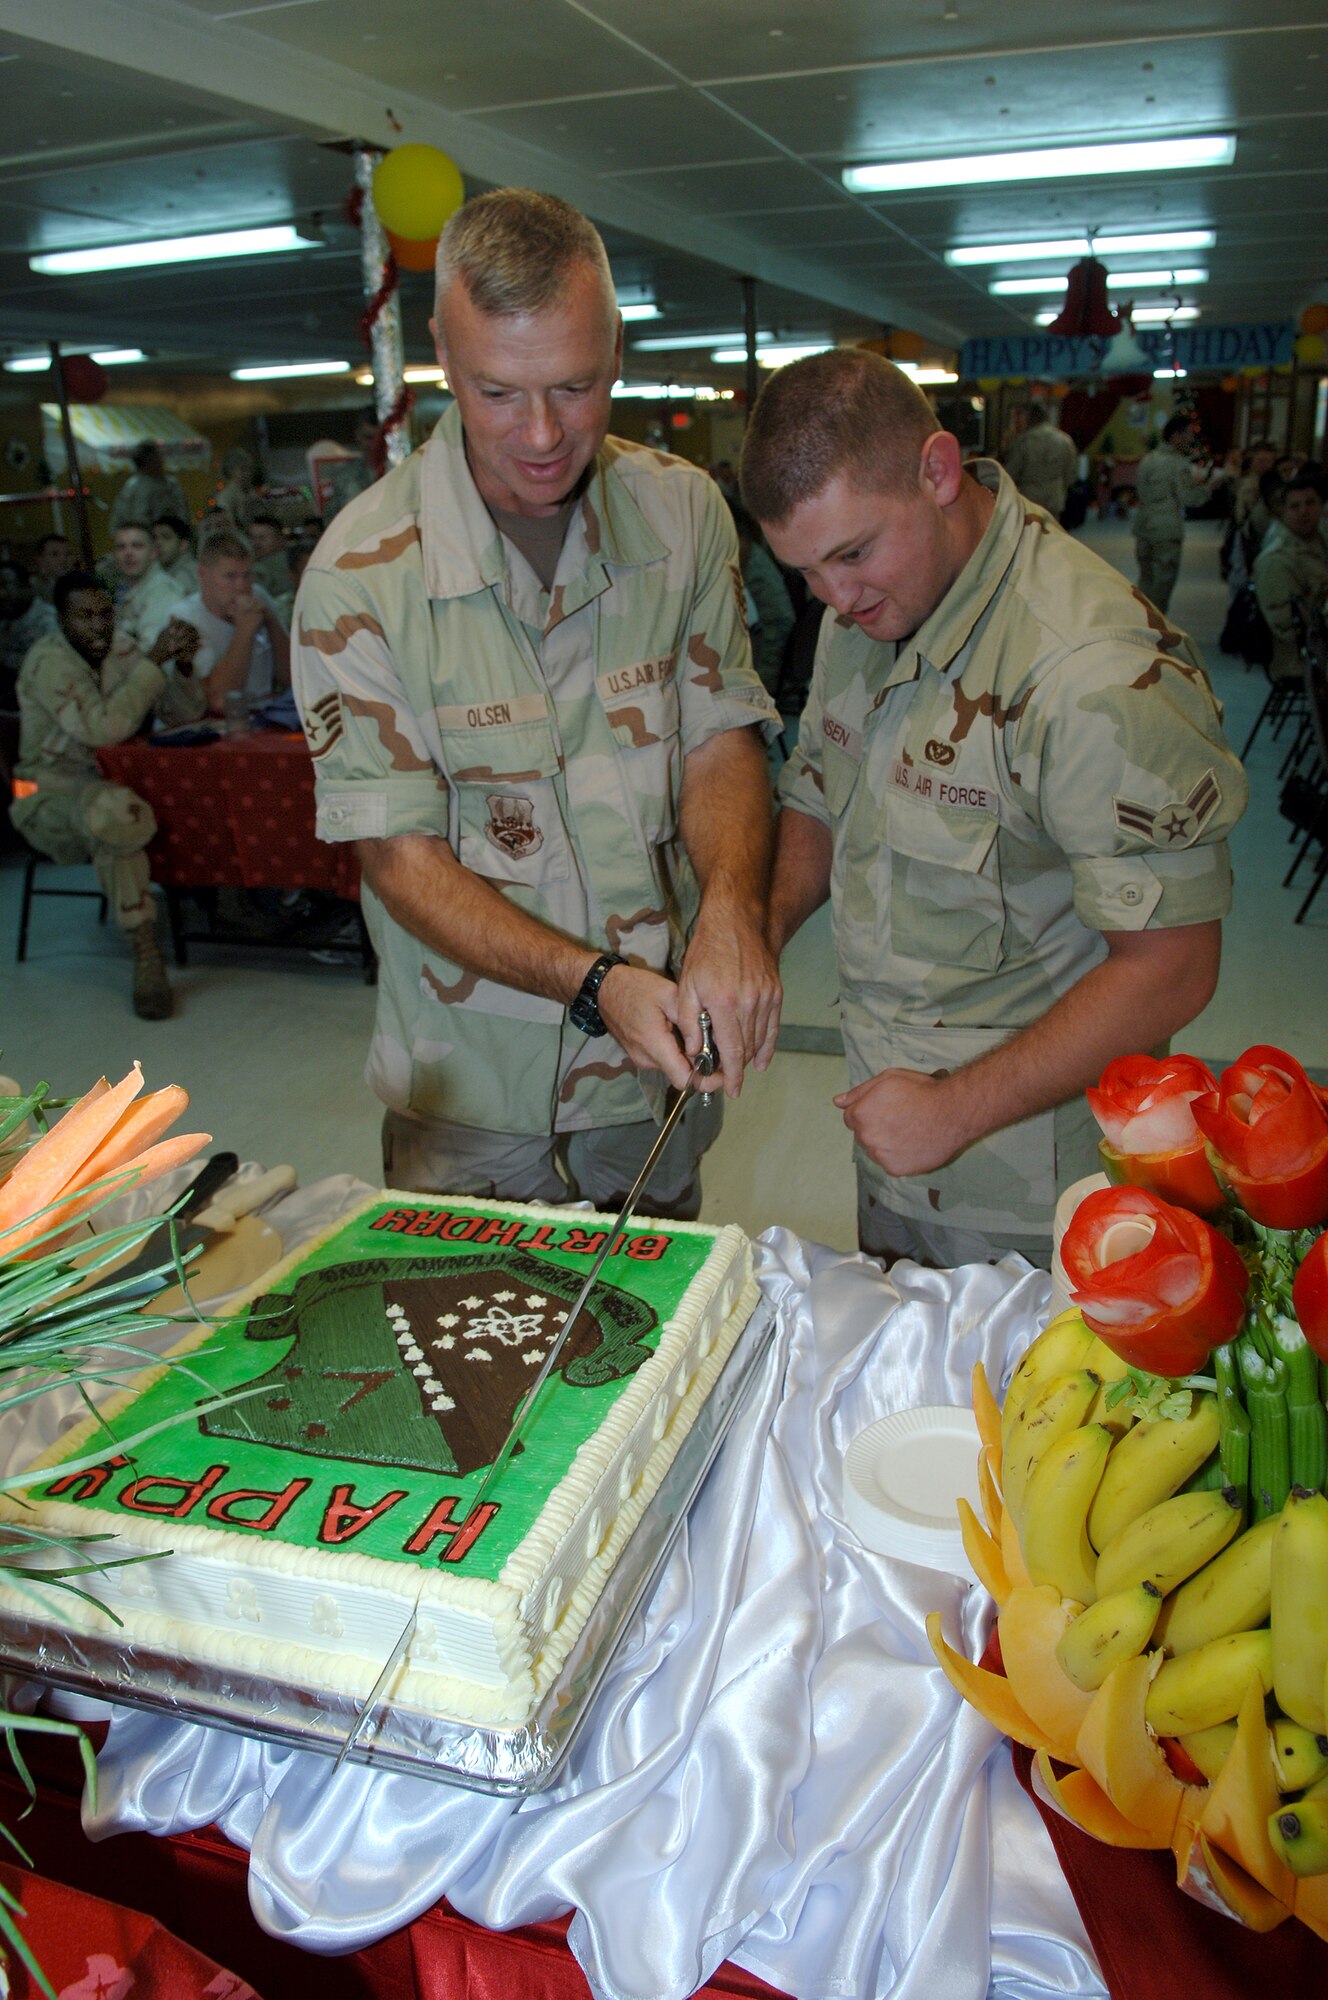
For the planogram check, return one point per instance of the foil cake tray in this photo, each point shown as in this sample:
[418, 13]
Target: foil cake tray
[507, 1761]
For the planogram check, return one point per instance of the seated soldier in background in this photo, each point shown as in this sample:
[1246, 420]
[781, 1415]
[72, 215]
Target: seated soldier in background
[143, 595]
[267, 540]
[242, 643]
[55, 558]
[296, 556]
[1291, 570]
[173, 541]
[24, 618]
[76, 695]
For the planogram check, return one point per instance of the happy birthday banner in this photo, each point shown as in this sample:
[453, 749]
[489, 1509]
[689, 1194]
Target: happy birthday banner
[1043, 355]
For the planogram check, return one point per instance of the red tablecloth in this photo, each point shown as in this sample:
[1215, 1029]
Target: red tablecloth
[196, 1884]
[90, 1949]
[237, 812]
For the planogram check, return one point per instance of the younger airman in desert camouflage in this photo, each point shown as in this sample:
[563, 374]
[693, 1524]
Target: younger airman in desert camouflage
[1012, 784]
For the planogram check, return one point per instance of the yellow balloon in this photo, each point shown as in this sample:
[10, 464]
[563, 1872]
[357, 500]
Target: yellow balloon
[415, 190]
[1311, 347]
[989, 383]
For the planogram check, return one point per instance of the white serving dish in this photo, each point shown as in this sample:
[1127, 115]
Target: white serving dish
[902, 1478]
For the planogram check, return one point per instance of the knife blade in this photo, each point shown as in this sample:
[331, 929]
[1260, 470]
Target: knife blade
[703, 1066]
[155, 1250]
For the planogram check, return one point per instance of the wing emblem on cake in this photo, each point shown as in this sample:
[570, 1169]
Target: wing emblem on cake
[421, 1361]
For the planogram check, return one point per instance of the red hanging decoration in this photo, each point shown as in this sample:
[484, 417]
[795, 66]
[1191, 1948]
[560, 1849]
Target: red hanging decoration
[1086, 310]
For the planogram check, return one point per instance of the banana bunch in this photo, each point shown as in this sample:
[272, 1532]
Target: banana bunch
[1175, 1659]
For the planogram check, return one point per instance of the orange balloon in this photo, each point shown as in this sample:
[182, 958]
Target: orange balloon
[906, 346]
[413, 256]
[1314, 319]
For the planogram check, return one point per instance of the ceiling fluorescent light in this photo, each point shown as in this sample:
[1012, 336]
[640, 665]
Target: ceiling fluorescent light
[927, 377]
[646, 309]
[659, 343]
[275, 371]
[1131, 156]
[1117, 281]
[1080, 246]
[654, 392]
[1160, 314]
[1143, 315]
[171, 250]
[109, 357]
[773, 356]
[1170, 374]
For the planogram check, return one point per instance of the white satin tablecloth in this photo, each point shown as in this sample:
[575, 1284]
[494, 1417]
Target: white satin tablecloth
[775, 1770]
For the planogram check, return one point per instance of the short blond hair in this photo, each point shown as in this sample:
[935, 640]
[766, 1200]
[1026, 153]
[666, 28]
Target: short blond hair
[514, 250]
[845, 411]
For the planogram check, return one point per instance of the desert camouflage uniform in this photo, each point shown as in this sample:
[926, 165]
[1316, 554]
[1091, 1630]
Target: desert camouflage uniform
[1166, 487]
[542, 734]
[1042, 462]
[1042, 762]
[1289, 571]
[62, 806]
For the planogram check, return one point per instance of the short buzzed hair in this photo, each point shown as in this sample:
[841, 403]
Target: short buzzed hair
[514, 249]
[222, 546]
[845, 411]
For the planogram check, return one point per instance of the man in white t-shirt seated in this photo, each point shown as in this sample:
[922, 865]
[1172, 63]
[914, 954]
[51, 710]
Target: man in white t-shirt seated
[243, 644]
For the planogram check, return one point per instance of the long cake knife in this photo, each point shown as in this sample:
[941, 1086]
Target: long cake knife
[704, 1065]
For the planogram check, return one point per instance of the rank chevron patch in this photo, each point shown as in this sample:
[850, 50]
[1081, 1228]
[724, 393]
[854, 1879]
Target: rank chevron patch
[1176, 824]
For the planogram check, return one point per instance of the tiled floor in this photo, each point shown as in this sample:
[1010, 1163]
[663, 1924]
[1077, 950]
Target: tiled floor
[271, 1047]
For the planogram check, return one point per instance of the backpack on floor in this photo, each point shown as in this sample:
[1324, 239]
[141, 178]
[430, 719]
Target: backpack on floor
[1246, 635]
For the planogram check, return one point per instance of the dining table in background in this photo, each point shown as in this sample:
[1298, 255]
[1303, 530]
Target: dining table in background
[236, 811]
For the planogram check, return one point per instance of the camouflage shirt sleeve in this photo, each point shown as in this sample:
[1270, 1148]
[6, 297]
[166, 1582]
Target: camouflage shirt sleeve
[1275, 588]
[719, 687]
[802, 781]
[1126, 768]
[99, 715]
[373, 775]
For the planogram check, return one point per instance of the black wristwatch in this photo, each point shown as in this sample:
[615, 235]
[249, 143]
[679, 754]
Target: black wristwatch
[584, 1011]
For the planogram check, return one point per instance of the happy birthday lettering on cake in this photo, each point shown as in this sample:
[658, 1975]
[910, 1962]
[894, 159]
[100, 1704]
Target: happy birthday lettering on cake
[259, 1509]
[455, 1226]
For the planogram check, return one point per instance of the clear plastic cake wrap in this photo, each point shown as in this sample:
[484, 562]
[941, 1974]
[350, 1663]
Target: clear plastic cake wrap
[498, 1760]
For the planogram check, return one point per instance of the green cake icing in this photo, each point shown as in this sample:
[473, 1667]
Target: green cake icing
[337, 1346]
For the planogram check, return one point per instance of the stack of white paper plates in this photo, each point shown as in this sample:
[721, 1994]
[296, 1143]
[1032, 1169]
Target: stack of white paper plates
[902, 1477]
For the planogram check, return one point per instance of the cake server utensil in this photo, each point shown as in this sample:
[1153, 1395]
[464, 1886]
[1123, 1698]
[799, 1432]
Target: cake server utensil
[704, 1065]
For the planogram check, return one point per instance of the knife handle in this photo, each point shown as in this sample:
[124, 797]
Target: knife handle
[205, 1184]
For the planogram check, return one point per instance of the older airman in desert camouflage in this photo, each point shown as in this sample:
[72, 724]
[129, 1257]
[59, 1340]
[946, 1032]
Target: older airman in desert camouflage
[523, 668]
[1012, 784]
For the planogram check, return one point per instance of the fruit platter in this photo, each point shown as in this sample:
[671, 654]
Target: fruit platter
[1153, 1487]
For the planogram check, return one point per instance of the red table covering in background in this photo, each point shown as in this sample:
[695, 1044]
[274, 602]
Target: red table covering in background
[237, 812]
[90, 1949]
[197, 1885]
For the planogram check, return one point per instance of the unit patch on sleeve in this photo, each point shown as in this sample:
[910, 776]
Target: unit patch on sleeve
[1176, 824]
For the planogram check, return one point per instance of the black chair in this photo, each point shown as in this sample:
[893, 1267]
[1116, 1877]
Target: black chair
[1311, 775]
[31, 890]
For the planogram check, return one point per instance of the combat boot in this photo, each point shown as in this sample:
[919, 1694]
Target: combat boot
[153, 999]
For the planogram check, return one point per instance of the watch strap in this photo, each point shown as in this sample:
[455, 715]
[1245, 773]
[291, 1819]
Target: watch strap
[584, 1011]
